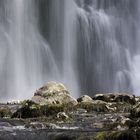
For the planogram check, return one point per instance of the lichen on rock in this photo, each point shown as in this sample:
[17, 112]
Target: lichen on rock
[53, 93]
[116, 97]
[85, 98]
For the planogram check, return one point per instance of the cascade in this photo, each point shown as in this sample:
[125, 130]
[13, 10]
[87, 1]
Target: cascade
[92, 46]
[25, 56]
[106, 44]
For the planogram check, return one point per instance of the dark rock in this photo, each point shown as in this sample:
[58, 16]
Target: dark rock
[64, 137]
[5, 112]
[116, 97]
[120, 106]
[29, 109]
[135, 111]
[122, 135]
[49, 110]
[97, 105]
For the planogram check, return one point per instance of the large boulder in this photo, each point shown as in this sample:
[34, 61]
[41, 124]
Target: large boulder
[51, 88]
[116, 97]
[48, 100]
[53, 93]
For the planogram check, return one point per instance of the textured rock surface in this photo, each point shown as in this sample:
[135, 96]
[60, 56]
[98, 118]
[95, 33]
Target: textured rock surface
[135, 111]
[112, 116]
[53, 93]
[85, 98]
[96, 105]
[116, 97]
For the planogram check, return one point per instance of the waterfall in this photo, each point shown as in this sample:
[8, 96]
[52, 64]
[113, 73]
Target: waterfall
[92, 46]
[27, 59]
[106, 44]
[69, 45]
[26, 56]
[136, 58]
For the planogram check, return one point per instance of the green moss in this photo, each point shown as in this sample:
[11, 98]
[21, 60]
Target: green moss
[98, 106]
[114, 134]
[29, 109]
[5, 112]
[48, 110]
[126, 135]
[100, 136]
[86, 105]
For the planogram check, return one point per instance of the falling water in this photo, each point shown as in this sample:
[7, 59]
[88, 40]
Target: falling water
[136, 59]
[106, 44]
[26, 56]
[70, 78]
[89, 45]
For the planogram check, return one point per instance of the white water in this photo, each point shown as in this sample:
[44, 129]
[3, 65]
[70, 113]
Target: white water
[107, 31]
[26, 49]
[27, 61]
[89, 45]
[69, 45]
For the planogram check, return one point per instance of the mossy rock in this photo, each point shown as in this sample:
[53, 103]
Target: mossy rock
[122, 135]
[117, 135]
[64, 137]
[29, 109]
[135, 111]
[120, 106]
[98, 106]
[100, 136]
[53, 93]
[85, 137]
[49, 110]
[51, 88]
[116, 97]
[5, 112]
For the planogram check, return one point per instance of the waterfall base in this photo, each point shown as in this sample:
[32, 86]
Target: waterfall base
[55, 115]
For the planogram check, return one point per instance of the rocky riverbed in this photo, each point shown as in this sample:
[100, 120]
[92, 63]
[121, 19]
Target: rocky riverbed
[53, 114]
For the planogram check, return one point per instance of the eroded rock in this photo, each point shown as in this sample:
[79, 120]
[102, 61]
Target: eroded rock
[53, 93]
[62, 116]
[97, 105]
[135, 111]
[116, 97]
[5, 112]
[85, 98]
[29, 109]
